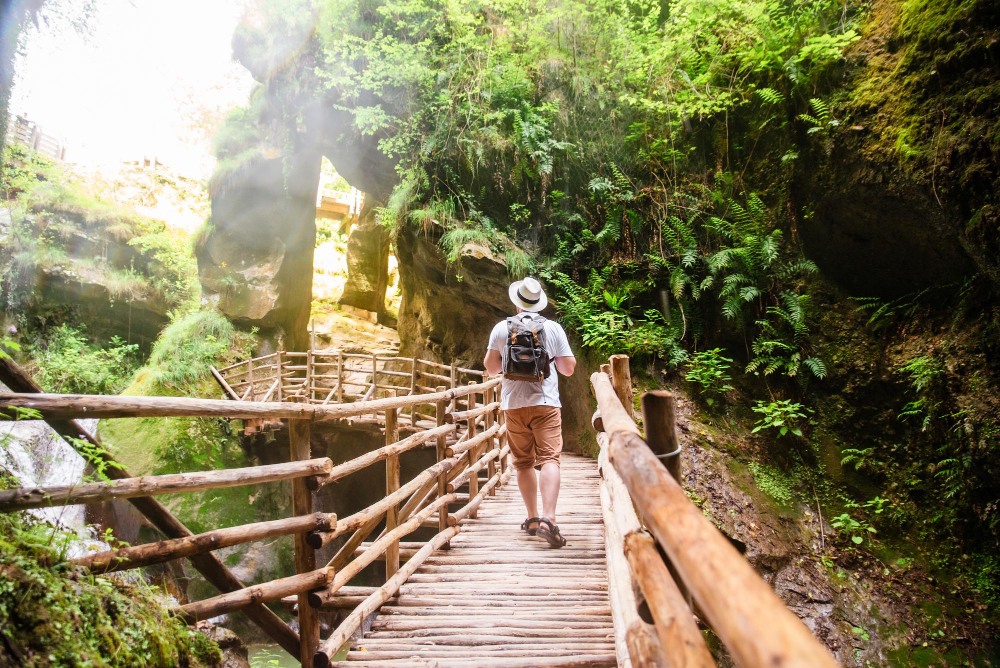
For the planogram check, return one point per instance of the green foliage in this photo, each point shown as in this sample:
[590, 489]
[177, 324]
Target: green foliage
[59, 225]
[773, 482]
[852, 528]
[782, 415]
[67, 362]
[58, 615]
[783, 337]
[185, 349]
[604, 315]
[709, 369]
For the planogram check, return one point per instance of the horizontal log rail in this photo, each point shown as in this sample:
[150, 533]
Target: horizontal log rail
[740, 607]
[458, 416]
[25, 498]
[137, 556]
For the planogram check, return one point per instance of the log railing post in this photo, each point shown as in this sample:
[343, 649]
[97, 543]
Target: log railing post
[660, 422]
[299, 433]
[309, 376]
[250, 376]
[442, 446]
[280, 381]
[413, 391]
[489, 420]
[621, 380]
[391, 485]
[375, 381]
[474, 454]
[340, 376]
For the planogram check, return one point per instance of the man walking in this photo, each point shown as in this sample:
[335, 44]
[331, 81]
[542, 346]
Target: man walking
[531, 406]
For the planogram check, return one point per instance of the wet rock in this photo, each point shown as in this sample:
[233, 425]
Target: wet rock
[234, 652]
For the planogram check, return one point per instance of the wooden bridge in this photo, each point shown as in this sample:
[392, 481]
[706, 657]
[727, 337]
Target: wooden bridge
[625, 591]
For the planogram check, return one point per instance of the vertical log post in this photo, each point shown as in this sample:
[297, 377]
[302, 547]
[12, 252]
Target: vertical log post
[660, 422]
[340, 376]
[442, 445]
[413, 391]
[474, 454]
[299, 432]
[375, 381]
[621, 380]
[280, 381]
[489, 419]
[391, 485]
[309, 359]
[309, 376]
[250, 376]
[454, 375]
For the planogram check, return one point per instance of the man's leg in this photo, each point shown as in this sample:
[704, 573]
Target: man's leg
[522, 447]
[549, 482]
[528, 486]
[547, 429]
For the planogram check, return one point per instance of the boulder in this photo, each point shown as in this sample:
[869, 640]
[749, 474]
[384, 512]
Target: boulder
[367, 263]
[256, 262]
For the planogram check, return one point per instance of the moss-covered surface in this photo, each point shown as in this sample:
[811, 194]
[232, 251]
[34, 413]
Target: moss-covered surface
[53, 614]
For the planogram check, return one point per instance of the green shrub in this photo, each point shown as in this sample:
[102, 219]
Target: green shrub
[68, 363]
[782, 415]
[58, 615]
[709, 370]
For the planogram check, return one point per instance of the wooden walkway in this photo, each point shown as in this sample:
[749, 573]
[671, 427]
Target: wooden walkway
[500, 598]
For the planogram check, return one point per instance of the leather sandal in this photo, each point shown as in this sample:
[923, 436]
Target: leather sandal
[551, 534]
[526, 525]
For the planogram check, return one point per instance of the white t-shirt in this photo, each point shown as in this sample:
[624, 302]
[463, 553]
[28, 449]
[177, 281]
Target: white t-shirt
[521, 393]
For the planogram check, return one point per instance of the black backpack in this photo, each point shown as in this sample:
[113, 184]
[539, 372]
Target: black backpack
[525, 356]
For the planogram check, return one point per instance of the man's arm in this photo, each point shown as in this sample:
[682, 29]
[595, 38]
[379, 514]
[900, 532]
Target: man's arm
[565, 365]
[493, 362]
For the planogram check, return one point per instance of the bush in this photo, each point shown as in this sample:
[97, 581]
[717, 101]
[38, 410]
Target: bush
[69, 363]
[709, 369]
[58, 615]
[785, 416]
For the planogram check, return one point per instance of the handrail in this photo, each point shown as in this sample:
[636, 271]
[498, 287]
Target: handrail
[742, 609]
[73, 406]
[405, 508]
[25, 498]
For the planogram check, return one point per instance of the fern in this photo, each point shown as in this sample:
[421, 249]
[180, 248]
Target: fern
[770, 96]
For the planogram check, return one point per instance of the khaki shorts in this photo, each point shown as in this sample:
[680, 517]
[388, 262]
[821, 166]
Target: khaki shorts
[535, 435]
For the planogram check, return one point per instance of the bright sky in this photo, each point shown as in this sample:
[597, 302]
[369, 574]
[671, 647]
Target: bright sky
[152, 78]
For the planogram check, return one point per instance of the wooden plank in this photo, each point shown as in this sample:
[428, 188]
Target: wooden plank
[351, 624]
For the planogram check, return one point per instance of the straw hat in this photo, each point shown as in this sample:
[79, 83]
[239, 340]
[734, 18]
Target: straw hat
[528, 295]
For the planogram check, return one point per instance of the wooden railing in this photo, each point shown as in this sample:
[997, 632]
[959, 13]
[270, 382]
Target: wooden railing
[468, 435]
[699, 570]
[332, 376]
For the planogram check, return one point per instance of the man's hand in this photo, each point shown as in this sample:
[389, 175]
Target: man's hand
[565, 365]
[493, 362]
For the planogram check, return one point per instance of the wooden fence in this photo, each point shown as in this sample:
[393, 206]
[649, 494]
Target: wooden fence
[325, 377]
[468, 435]
[645, 511]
